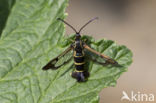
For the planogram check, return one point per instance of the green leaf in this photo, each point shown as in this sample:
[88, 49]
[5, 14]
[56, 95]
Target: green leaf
[5, 7]
[31, 38]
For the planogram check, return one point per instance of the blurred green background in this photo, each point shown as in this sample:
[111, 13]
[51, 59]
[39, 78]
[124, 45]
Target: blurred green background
[128, 22]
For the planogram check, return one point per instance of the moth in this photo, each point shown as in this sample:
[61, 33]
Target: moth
[78, 46]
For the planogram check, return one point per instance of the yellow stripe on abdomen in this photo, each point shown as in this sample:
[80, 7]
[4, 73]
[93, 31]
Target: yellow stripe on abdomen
[79, 63]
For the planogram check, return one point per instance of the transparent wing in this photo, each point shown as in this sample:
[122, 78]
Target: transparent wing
[98, 57]
[95, 58]
[60, 60]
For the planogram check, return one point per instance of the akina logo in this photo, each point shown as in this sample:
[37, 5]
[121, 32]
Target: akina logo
[137, 96]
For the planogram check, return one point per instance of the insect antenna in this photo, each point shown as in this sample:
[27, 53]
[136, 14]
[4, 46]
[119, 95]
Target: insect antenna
[67, 24]
[87, 24]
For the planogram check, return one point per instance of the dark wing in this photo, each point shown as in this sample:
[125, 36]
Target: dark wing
[102, 56]
[60, 60]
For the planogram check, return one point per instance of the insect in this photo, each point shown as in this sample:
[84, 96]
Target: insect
[78, 47]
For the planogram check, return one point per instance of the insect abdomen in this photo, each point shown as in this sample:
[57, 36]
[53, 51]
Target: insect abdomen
[79, 61]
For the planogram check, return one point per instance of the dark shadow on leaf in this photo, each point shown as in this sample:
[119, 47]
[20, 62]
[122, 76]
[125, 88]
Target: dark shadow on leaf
[106, 63]
[5, 8]
[71, 67]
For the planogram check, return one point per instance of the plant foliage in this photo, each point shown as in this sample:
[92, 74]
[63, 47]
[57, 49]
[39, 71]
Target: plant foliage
[31, 37]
